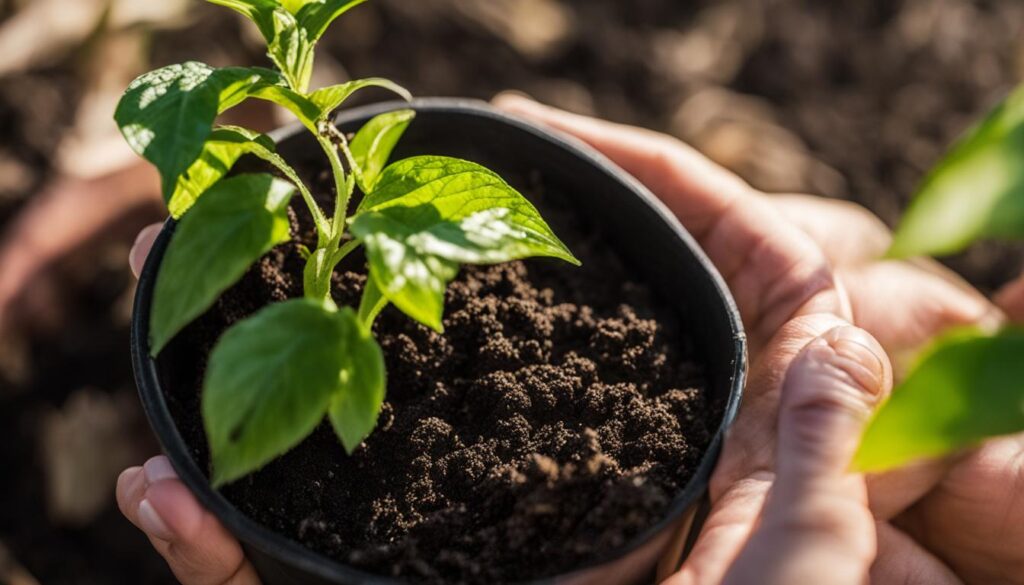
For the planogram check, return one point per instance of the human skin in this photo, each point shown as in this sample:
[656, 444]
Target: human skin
[822, 315]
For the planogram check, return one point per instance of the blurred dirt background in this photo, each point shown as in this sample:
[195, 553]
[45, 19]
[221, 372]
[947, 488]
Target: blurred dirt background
[853, 100]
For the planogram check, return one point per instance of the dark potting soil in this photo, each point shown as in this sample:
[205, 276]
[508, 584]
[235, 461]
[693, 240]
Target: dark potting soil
[554, 420]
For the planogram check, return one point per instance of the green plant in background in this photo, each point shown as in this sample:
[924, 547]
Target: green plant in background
[272, 378]
[969, 386]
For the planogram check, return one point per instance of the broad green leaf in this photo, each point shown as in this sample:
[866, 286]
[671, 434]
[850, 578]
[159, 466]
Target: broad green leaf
[354, 410]
[330, 98]
[270, 381]
[167, 115]
[428, 214]
[220, 153]
[976, 192]
[967, 388]
[229, 228]
[373, 144]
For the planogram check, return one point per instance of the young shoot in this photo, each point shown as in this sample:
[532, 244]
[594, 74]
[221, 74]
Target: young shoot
[273, 377]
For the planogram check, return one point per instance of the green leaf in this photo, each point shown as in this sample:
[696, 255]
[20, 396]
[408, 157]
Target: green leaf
[291, 49]
[228, 229]
[976, 192]
[330, 98]
[354, 410]
[259, 11]
[167, 115]
[967, 388]
[317, 107]
[373, 144]
[291, 29]
[316, 15]
[272, 377]
[428, 214]
[306, 111]
[220, 153]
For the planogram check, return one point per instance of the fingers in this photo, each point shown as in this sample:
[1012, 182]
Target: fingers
[696, 189]
[746, 469]
[1011, 300]
[829, 393]
[774, 269]
[816, 526]
[974, 519]
[727, 528]
[845, 231]
[905, 305]
[195, 545]
[902, 560]
[143, 244]
[750, 447]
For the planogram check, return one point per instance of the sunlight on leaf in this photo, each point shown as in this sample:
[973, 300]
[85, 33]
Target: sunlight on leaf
[428, 214]
[151, 112]
[976, 192]
[968, 387]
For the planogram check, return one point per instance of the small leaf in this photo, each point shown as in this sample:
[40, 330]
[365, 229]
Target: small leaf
[291, 49]
[235, 223]
[354, 409]
[306, 111]
[259, 11]
[220, 153]
[291, 29]
[316, 15]
[967, 388]
[330, 98]
[977, 191]
[428, 214]
[269, 382]
[167, 115]
[373, 144]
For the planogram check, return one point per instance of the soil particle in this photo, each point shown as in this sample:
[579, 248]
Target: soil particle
[554, 421]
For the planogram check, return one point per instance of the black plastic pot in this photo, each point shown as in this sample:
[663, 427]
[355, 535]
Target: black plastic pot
[643, 231]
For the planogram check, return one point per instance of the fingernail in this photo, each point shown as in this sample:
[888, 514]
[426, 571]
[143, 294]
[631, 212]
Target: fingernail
[151, 522]
[857, 346]
[159, 469]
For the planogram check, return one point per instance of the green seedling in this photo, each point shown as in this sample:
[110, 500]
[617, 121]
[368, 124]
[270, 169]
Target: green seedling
[272, 378]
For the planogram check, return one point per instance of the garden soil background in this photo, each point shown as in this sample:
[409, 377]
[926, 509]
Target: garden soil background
[848, 100]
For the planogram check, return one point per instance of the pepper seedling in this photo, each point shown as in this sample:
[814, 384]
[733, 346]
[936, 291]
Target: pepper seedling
[273, 377]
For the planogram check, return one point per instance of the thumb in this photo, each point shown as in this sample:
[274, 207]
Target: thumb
[816, 526]
[143, 244]
[196, 547]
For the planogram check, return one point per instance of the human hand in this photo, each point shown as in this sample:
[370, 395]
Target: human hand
[773, 271]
